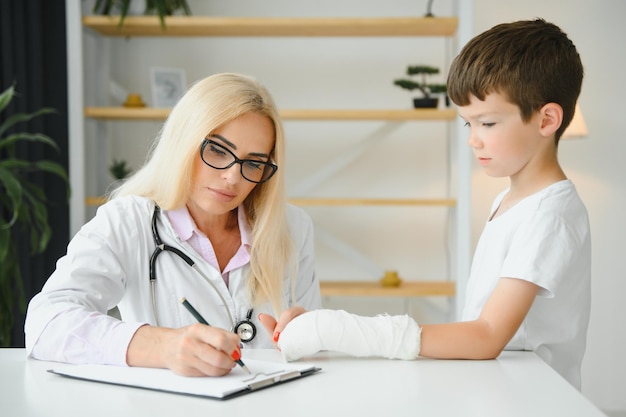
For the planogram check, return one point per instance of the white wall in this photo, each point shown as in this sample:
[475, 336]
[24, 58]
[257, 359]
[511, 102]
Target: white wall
[407, 160]
[306, 73]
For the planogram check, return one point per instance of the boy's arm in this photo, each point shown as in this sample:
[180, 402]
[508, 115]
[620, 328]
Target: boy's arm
[485, 337]
[399, 337]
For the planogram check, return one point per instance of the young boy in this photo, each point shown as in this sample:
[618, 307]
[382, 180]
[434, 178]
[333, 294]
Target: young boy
[516, 86]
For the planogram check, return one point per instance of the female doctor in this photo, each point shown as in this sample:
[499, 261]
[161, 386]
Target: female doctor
[206, 220]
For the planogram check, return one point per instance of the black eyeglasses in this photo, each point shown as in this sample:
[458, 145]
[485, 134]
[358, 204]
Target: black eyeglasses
[217, 156]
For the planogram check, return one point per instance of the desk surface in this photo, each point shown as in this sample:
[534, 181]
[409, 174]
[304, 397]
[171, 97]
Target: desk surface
[515, 384]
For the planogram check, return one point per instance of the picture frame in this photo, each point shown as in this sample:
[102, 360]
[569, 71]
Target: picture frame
[168, 86]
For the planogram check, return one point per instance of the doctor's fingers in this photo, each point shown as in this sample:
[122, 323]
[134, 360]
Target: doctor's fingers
[284, 319]
[287, 316]
[273, 327]
[268, 322]
[214, 363]
[205, 350]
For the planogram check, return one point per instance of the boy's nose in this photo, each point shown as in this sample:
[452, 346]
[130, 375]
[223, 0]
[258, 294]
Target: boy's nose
[473, 141]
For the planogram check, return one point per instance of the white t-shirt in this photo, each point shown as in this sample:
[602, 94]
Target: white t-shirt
[543, 239]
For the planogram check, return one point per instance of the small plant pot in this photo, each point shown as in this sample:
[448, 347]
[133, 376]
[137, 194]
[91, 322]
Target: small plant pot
[422, 103]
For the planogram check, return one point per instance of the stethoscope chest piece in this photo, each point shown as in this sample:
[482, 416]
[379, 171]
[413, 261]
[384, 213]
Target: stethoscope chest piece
[245, 329]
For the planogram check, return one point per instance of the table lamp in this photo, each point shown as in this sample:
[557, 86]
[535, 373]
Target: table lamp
[577, 127]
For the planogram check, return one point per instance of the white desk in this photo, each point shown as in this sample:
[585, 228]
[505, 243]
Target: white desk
[516, 384]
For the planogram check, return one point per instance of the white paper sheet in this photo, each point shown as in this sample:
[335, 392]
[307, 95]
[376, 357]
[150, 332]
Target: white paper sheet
[264, 374]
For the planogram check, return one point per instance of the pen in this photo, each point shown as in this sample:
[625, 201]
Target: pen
[201, 319]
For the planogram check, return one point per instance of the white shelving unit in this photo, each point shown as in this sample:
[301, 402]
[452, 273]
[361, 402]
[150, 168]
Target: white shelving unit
[198, 26]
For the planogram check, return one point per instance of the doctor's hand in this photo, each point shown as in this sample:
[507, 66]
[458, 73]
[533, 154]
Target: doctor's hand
[273, 327]
[196, 350]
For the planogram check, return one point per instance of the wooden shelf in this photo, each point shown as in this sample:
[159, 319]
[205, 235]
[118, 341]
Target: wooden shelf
[150, 113]
[373, 202]
[272, 26]
[386, 27]
[442, 202]
[375, 289]
[126, 113]
[95, 201]
[389, 115]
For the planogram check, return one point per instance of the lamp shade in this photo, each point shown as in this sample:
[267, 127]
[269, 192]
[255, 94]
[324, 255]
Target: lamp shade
[577, 128]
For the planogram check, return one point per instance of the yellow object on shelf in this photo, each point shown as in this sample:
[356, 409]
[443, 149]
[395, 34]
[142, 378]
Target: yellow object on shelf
[134, 100]
[390, 279]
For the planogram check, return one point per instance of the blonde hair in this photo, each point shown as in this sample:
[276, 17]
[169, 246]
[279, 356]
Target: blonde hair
[166, 175]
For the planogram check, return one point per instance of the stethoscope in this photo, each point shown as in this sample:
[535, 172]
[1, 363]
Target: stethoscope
[245, 329]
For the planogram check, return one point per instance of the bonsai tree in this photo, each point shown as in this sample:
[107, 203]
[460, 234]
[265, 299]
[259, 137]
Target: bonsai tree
[22, 207]
[426, 89]
[161, 8]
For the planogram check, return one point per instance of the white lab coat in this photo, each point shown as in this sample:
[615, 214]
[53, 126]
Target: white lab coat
[107, 265]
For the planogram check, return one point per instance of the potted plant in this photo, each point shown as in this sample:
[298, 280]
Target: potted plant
[119, 169]
[422, 71]
[160, 8]
[22, 207]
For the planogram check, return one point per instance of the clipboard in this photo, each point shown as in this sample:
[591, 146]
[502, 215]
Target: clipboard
[264, 375]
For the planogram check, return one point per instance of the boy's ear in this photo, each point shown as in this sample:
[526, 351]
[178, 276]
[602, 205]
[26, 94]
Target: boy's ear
[551, 118]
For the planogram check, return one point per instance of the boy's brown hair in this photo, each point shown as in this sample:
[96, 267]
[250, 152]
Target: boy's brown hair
[530, 62]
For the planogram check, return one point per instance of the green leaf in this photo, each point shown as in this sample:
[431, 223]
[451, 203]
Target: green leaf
[56, 169]
[20, 118]
[52, 167]
[182, 4]
[162, 10]
[40, 229]
[6, 97]
[421, 69]
[14, 191]
[15, 164]
[96, 6]
[35, 214]
[25, 217]
[9, 274]
[102, 6]
[32, 137]
[437, 88]
[123, 11]
[5, 243]
[34, 190]
[407, 84]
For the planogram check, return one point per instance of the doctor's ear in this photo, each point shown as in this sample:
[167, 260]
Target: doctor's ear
[551, 118]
